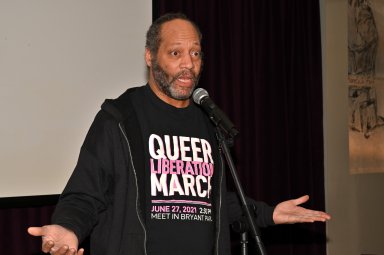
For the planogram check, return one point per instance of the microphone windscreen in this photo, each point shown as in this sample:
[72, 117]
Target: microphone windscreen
[199, 94]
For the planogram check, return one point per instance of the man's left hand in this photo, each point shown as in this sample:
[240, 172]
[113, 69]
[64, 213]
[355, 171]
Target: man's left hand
[289, 212]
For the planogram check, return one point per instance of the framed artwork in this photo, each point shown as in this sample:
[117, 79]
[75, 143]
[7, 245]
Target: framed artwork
[366, 86]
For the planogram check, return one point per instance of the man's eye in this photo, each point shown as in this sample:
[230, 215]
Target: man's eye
[175, 53]
[196, 53]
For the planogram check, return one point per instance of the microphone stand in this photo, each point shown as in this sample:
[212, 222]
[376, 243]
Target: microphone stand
[241, 227]
[254, 230]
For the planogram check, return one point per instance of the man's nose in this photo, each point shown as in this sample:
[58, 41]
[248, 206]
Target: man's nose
[187, 62]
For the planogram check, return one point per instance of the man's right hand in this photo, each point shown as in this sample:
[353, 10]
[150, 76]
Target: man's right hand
[57, 240]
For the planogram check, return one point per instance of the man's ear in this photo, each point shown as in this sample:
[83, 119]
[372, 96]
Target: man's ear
[148, 57]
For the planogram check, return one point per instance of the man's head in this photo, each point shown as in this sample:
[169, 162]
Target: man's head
[173, 55]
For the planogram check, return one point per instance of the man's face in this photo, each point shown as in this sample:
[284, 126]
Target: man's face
[177, 65]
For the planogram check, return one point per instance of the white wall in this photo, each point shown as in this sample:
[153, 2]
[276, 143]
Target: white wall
[59, 60]
[354, 201]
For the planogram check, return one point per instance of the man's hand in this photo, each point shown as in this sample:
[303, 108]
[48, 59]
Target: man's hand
[57, 240]
[289, 212]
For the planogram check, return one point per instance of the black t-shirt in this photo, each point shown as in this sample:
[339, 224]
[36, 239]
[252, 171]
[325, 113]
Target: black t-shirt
[179, 167]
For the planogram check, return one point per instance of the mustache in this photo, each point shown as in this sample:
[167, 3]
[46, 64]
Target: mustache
[186, 74]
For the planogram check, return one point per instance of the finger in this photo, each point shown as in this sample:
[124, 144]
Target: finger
[47, 246]
[36, 231]
[80, 252]
[313, 219]
[306, 220]
[317, 216]
[301, 200]
[62, 250]
[309, 218]
[71, 251]
[322, 216]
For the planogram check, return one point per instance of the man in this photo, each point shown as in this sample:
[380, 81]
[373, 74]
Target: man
[150, 179]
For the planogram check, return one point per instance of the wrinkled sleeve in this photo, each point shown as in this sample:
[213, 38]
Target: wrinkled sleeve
[86, 193]
[263, 212]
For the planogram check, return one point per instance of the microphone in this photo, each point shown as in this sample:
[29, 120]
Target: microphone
[200, 96]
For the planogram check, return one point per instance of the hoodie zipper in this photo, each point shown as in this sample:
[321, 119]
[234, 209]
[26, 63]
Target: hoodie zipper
[137, 189]
[220, 204]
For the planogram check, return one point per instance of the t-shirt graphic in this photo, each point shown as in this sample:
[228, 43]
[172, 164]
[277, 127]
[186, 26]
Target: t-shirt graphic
[180, 156]
[181, 169]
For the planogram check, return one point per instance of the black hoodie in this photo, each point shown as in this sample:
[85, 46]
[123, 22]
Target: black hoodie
[105, 197]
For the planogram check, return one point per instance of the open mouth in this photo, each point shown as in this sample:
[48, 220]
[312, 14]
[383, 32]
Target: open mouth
[185, 80]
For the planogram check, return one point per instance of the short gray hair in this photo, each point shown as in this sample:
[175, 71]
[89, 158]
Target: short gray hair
[153, 38]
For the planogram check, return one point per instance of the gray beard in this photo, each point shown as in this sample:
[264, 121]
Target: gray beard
[161, 78]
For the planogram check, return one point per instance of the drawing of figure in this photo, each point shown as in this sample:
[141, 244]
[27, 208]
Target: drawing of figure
[363, 113]
[362, 39]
